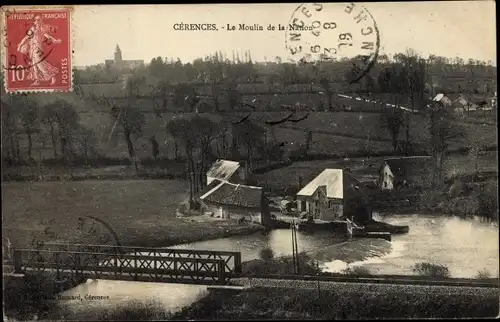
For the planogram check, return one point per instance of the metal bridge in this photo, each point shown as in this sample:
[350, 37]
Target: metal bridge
[77, 261]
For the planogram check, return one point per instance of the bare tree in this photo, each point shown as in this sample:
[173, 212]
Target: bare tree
[476, 147]
[130, 118]
[131, 121]
[9, 130]
[250, 136]
[30, 116]
[49, 119]
[60, 116]
[443, 131]
[392, 119]
[182, 131]
[206, 132]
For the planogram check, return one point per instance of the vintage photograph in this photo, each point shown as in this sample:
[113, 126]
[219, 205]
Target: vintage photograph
[280, 161]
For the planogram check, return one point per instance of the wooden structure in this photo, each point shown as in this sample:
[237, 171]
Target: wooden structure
[165, 265]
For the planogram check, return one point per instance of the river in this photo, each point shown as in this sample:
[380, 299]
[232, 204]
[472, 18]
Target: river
[464, 246]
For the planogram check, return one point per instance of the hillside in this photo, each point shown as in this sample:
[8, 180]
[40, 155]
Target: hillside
[335, 133]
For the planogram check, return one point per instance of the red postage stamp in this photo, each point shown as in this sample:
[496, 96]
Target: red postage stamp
[37, 50]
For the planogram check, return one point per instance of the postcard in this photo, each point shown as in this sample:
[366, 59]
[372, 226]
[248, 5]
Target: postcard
[250, 161]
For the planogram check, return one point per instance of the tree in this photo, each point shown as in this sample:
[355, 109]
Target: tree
[206, 132]
[30, 116]
[175, 130]
[250, 136]
[325, 83]
[406, 77]
[9, 130]
[87, 142]
[132, 122]
[49, 119]
[60, 115]
[443, 130]
[414, 71]
[154, 147]
[392, 119]
[476, 147]
[130, 117]
[182, 131]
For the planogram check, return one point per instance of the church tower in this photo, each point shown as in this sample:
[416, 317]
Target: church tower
[118, 54]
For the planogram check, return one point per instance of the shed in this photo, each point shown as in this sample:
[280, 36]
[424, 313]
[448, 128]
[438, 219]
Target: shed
[236, 201]
[227, 170]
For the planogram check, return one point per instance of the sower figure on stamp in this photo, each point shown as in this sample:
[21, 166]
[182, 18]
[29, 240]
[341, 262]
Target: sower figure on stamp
[32, 46]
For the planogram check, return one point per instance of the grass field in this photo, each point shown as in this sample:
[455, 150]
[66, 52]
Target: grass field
[276, 303]
[141, 212]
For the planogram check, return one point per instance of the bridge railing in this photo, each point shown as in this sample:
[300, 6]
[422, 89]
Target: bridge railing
[134, 266]
[232, 260]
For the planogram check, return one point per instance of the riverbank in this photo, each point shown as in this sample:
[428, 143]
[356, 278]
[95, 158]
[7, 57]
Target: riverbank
[288, 303]
[462, 196]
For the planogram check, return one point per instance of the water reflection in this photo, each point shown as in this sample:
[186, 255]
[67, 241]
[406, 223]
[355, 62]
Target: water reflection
[113, 294]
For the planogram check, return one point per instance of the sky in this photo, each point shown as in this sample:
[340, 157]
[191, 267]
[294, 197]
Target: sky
[466, 29]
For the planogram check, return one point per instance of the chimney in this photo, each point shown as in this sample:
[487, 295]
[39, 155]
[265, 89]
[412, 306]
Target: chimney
[300, 182]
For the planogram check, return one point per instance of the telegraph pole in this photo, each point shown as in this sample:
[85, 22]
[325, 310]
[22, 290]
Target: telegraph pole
[297, 249]
[317, 274]
[293, 248]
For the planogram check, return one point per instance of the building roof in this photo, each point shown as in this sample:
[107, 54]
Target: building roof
[223, 169]
[438, 97]
[331, 178]
[209, 187]
[226, 193]
[404, 167]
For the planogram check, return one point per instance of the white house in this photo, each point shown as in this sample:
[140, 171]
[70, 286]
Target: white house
[386, 177]
[332, 195]
[225, 170]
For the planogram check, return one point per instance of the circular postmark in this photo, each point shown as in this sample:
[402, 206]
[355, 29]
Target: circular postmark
[334, 32]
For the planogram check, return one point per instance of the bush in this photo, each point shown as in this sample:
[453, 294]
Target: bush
[487, 199]
[280, 265]
[266, 254]
[431, 270]
[357, 271]
[483, 274]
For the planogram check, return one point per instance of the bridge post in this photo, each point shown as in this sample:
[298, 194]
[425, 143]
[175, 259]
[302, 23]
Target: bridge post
[58, 273]
[221, 267]
[115, 261]
[78, 264]
[17, 257]
[135, 264]
[154, 263]
[237, 263]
